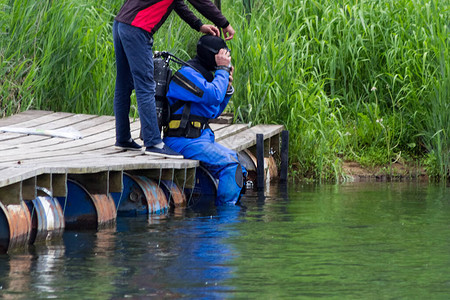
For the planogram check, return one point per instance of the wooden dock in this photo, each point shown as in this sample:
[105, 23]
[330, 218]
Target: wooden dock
[41, 165]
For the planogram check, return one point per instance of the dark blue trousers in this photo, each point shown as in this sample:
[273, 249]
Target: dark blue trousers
[134, 63]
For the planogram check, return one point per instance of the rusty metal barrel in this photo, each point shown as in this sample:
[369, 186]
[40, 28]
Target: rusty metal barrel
[249, 161]
[83, 210]
[47, 218]
[15, 226]
[174, 194]
[140, 195]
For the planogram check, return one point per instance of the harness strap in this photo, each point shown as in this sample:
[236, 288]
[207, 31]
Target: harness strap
[185, 83]
[176, 106]
[193, 128]
[186, 114]
[185, 124]
[199, 121]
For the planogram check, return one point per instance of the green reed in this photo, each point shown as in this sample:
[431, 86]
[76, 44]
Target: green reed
[67, 46]
[351, 79]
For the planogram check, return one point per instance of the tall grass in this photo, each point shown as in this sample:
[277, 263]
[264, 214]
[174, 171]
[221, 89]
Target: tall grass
[351, 79]
[65, 54]
[358, 80]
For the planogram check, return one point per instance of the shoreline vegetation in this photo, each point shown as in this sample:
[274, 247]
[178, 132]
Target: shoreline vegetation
[356, 82]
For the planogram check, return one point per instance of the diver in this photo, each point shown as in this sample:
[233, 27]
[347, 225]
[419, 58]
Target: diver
[200, 91]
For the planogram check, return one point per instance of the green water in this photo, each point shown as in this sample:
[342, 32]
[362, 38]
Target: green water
[359, 241]
[353, 241]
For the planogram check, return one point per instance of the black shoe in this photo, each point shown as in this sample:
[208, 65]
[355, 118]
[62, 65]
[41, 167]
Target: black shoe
[128, 146]
[164, 152]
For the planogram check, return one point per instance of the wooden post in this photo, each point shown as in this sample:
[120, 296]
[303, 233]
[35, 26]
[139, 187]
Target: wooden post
[260, 161]
[284, 156]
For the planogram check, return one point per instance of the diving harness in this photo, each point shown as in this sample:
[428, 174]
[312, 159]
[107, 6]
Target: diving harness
[175, 125]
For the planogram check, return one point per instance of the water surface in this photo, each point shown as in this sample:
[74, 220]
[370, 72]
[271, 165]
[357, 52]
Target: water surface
[352, 241]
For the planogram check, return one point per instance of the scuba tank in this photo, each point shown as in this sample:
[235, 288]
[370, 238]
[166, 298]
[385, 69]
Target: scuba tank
[162, 75]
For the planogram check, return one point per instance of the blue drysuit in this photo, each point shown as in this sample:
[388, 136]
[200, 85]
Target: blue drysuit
[221, 162]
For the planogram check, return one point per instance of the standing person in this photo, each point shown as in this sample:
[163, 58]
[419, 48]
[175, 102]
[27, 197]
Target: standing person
[133, 31]
[195, 95]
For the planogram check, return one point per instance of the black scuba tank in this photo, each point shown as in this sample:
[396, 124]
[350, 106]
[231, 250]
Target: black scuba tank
[162, 75]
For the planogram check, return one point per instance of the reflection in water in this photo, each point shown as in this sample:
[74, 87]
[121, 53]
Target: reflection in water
[18, 280]
[31, 274]
[364, 241]
[48, 268]
[184, 254]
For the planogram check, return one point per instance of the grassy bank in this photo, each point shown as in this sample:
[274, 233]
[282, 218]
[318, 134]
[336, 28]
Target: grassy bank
[365, 81]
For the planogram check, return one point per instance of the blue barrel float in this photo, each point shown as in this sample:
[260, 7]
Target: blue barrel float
[47, 218]
[204, 191]
[83, 210]
[140, 195]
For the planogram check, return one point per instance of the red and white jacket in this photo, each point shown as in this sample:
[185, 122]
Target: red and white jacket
[151, 14]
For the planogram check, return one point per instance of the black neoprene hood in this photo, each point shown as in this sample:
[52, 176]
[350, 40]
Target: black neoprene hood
[207, 48]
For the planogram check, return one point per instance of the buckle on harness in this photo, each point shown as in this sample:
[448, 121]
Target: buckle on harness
[174, 124]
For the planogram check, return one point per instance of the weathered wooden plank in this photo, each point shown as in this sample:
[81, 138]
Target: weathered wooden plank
[36, 142]
[55, 142]
[95, 152]
[100, 139]
[17, 174]
[34, 123]
[112, 151]
[247, 138]
[42, 119]
[63, 163]
[238, 142]
[70, 120]
[22, 156]
[125, 165]
[229, 131]
[20, 174]
[86, 124]
[91, 158]
[215, 126]
[23, 117]
[225, 118]
[33, 140]
[70, 147]
[109, 134]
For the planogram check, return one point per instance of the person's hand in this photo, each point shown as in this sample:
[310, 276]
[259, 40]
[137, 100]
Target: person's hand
[210, 29]
[223, 58]
[228, 32]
